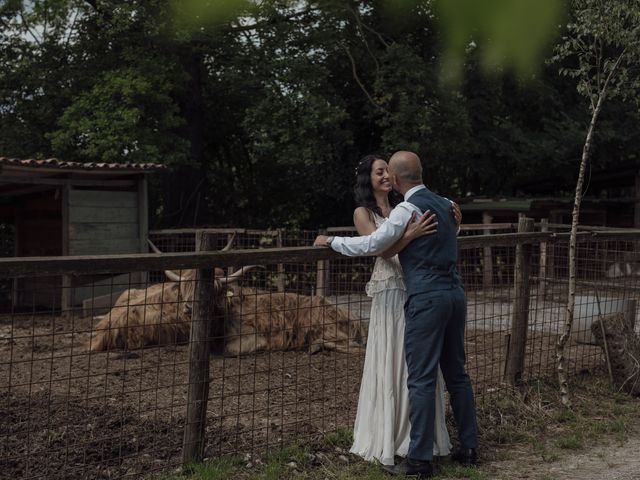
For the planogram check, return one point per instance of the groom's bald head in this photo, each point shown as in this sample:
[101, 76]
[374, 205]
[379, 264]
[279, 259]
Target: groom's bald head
[406, 166]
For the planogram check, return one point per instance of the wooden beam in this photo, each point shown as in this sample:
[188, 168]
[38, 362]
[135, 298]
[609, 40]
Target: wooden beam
[65, 299]
[194, 440]
[35, 266]
[105, 182]
[520, 318]
[143, 222]
[17, 192]
[123, 263]
[487, 257]
[636, 205]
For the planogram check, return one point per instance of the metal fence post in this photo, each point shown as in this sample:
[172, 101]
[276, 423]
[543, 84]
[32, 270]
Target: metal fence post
[520, 319]
[198, 389]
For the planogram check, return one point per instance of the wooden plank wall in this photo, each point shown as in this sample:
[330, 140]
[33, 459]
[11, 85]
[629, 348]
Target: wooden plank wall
[103, 222]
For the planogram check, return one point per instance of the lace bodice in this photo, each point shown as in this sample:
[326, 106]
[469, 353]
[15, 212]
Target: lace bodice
[387, 273]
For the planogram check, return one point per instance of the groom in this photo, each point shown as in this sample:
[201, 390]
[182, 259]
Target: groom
[435, 313]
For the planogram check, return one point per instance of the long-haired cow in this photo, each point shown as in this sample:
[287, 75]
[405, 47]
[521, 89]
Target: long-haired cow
[246, 320]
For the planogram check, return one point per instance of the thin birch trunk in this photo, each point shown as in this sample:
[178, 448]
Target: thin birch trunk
[562, 341]
[573, 240]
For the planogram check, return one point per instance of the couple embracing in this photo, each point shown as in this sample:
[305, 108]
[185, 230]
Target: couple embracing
[416, 329]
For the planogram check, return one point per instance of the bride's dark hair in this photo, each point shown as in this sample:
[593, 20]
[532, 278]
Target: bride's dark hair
[363, 191]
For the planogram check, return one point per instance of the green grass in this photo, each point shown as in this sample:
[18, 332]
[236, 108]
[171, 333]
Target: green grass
[451, 470]
[572, 441]
[342, 438]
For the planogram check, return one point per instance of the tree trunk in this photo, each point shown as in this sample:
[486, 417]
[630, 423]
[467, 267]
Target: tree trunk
[562, 341]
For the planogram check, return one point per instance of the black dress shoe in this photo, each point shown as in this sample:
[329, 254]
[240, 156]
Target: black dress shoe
[411, 468]
[465, 456]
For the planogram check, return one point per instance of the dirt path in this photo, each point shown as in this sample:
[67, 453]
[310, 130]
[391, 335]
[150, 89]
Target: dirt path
[611, 460]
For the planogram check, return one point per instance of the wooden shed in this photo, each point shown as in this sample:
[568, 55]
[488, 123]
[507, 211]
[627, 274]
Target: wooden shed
[71, 208]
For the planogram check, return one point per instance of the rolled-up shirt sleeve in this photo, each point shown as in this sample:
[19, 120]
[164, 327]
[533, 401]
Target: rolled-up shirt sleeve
[386, 235]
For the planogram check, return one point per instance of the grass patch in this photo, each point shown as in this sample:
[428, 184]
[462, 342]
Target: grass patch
[548, 455]
[451, 470]
[280, 463]
[342, 438]
[573, 441]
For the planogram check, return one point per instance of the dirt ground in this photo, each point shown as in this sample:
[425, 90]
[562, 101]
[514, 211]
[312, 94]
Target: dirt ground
[69, 413]
[608, 460]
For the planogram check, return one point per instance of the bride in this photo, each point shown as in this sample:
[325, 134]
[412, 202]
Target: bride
[382, 426]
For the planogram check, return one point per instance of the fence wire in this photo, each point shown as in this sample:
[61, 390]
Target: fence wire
[100, 388]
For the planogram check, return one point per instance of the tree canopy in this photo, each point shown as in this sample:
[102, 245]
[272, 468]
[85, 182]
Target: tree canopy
[263, 111]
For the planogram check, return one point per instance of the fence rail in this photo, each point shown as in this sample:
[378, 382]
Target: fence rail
[211, 367]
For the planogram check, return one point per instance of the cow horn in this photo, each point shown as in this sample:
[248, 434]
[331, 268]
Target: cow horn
[153, 247]
[174, 277]
[235, 276]
[171, 275]
[230, 242]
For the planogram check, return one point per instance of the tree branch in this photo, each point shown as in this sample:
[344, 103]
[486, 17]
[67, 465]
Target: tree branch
[359, 24]
[26, 25]
[71, 28]
[613, 69]
[354, 71]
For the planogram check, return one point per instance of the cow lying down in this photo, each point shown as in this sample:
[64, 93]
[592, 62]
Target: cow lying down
[244, 320]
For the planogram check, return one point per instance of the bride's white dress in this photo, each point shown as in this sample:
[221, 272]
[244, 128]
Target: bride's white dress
[382, 426]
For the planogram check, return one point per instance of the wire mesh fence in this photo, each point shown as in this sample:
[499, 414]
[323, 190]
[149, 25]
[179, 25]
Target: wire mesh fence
[109, 387]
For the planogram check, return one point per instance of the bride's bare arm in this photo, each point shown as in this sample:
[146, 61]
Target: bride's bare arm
[364, 222]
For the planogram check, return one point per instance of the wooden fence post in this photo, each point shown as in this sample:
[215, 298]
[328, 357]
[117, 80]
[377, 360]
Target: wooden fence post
[487, 262]
[520, 319]
[322, 274]
[543, 272]
[198, 388]
[231, 237]
[280, 266]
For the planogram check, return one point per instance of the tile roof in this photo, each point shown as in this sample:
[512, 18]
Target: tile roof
[62, 165]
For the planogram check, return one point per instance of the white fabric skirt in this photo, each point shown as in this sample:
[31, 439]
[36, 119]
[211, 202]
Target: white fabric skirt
[382, 425]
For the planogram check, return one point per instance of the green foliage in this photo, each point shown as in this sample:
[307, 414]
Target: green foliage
[264, 108]
[197, 14]
[602, 42]
[127, 116]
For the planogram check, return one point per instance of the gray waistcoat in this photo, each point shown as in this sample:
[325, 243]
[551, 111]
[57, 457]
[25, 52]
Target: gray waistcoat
[429, 262]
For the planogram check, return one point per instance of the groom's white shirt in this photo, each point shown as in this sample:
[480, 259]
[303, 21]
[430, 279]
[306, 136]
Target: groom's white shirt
[386, 235]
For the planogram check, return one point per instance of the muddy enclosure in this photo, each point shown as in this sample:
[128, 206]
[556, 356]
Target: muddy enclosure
[66, 412]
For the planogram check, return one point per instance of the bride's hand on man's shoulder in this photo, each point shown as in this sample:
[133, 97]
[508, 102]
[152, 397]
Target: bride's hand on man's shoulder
[425, 224]
[457, 213]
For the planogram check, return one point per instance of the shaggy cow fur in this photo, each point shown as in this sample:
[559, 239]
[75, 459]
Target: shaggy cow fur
[157, 315]
[254, 320]
[261, 320]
